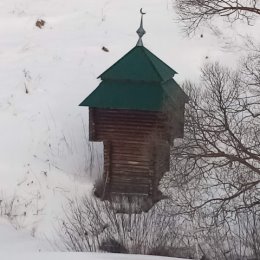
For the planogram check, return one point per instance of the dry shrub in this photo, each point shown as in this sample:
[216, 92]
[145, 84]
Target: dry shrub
[12, 208]
[94, 225]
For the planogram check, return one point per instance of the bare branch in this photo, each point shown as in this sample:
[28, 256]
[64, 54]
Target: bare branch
[195, 12]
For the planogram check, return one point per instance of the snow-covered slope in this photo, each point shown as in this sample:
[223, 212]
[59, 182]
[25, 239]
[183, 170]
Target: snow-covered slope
[13, 241]
[44, 153]
[81, 256]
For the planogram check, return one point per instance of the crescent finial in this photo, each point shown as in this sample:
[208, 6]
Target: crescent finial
[141, 11]
[140, 30]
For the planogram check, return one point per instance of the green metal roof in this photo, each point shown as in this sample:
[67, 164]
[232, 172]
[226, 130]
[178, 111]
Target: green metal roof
[138, 81]
[175, 92]
[134, 95]
[139, 64]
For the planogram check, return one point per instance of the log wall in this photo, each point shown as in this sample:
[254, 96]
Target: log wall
[136, 149]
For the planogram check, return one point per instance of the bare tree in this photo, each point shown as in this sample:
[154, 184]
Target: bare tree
[215, 170]
[218, 161]
[236, 238]
[195, 12]
[214, 180]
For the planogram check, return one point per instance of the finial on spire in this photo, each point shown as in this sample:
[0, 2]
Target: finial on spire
[141, 30]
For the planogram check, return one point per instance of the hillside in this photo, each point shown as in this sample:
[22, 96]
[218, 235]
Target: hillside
[44, 75]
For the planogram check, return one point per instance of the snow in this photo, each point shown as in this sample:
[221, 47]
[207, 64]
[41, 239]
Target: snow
[13, 241]
[81, 256]
[19, 245]
[44, 153]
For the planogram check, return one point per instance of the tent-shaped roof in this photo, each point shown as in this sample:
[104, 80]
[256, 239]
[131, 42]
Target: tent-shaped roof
[139, 64]
[138, 81]
[135, 95]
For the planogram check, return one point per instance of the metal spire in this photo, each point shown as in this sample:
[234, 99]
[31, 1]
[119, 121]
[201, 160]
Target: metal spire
[141, 30]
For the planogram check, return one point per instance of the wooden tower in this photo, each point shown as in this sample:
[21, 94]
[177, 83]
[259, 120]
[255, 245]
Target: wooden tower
[137, 110]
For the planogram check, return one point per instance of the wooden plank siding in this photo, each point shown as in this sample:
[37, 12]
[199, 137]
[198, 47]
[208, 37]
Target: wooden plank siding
[136, 149]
